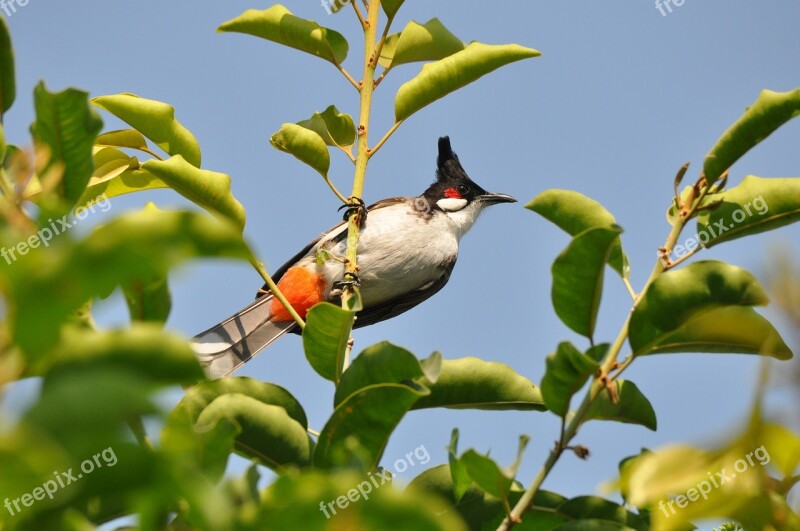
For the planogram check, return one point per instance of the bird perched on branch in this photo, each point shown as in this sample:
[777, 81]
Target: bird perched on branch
[406, 251]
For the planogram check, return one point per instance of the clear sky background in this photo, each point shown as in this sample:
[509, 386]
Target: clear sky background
[621, 97]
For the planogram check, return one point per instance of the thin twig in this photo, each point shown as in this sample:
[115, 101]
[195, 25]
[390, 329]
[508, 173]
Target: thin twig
[383, 140]
[629, 287]
[349, 78]
[335, 190]
[359, 15]
[683, 258]
[276, 292]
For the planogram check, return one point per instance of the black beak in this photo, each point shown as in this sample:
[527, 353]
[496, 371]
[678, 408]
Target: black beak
[493, 199]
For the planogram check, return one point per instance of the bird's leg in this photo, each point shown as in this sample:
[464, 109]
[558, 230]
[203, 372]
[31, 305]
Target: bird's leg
[355, 204]
[350, 279]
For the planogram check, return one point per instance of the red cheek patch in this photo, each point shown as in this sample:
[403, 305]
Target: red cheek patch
[302, 288]
[452, 193]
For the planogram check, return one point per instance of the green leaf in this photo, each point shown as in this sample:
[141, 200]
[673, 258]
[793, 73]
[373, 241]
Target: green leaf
[677, 296]
[208, 189]
[117, 174]
[185, 437]
[306, 145]
[593, 524]
[335, 128]
[575, 213]
[382, 363]
[700, 484]
[631, 407]
[461, 481]
[123, 138]
[277, 24]
[756, 205]
[349, 501]
[134, 246]
[603, 512]
[66, 126]
[471, 383]
[770, 111]
[3, 146]
[360, 427]
[784, 448]
[325, 339]
[156, 121]
[8, 85]
[733, 329]
[567, 371]
[439, 79]
[391, 7]
[578, 274]
[484, 511]
[262, 431]
[419, 42]
[148, 301]
[487, 474]
[163, 358]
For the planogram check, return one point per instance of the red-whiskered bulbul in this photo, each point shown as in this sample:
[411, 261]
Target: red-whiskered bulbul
[406, 251]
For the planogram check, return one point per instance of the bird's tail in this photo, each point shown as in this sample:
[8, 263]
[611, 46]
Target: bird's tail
[225, 347]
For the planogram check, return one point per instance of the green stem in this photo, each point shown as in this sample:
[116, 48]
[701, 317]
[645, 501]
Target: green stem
[137, 427]
[350, 297]
[597, 386]
[275, 291]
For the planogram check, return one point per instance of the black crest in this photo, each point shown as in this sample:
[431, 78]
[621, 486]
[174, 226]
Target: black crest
[448, 168]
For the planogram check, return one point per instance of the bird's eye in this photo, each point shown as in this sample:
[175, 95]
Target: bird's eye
[463, 189]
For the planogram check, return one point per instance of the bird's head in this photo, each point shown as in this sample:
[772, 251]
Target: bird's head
[455, 193]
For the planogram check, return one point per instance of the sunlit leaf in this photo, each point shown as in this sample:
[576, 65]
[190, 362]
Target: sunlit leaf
[382, 363]
[277, 24]
[770, 111]
[578, 274]
[314, 500]
[631, 406]
[419, 42]
[472, 383]
[134, 246]
[357, 432]
[325, 339]
[123, 138]
[156, 121]
[756, 205]
[733, 329]
[185, 435]
[66, 127]
[679, 295]
[439, 79]
[306, 145]
[262, 431]
[335, 128]
[574, 213]
[208, 189]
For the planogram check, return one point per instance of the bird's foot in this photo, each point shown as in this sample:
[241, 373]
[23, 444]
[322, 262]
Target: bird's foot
[357, 205]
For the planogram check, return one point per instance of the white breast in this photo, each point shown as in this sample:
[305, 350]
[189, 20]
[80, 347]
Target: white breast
[399, 250]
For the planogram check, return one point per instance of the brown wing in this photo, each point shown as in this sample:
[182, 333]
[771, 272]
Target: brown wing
[403, 303]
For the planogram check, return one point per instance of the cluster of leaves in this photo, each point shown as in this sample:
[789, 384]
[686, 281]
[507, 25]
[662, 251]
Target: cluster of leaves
[97, 385]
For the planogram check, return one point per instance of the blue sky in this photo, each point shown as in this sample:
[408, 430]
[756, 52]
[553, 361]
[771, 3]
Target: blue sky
[621, 97]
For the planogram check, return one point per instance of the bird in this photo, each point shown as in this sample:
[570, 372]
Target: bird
[407, 249]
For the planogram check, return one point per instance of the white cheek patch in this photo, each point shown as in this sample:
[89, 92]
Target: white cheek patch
[451, 204]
